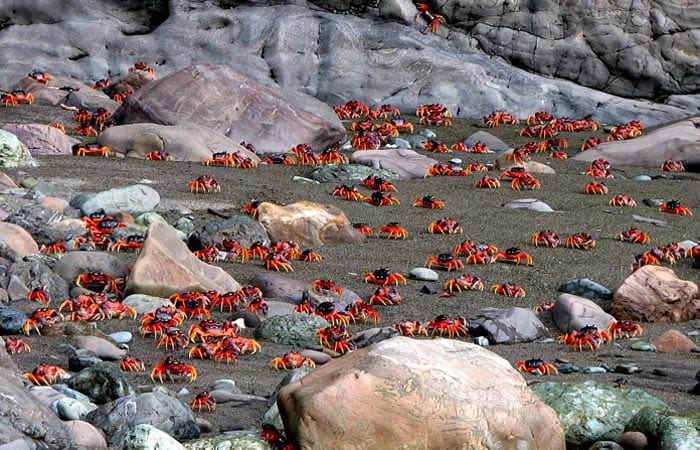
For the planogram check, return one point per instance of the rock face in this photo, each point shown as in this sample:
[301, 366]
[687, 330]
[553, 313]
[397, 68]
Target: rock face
[165, 266]
[307, 223]
[679, 141]
[233, 103]
[393, 396]
[655, 294]
[183, 142]
[648, 51]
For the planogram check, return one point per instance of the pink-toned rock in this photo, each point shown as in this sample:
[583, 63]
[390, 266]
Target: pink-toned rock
[85, 435]
[41, 139]
[673, 341]
[183, 142]
[407, 164]
[307, 223]
[571, 312]
[233, 103]
[18, 242]
[678, 141]
[55, 203]
[411, 393]
[655, 294]
[132, 81]
[103, 348]
[6, 182]
[165, 266]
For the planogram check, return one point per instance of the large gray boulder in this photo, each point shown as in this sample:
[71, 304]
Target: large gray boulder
[384, 59]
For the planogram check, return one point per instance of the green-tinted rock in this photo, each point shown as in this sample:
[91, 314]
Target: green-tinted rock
[668, 431]
[102, 382]
[292, 329]
[234, 441]
[591, 411]
[13, 153]
[336, 173]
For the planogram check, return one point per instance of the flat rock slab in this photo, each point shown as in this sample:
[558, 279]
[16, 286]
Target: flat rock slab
[407, 164]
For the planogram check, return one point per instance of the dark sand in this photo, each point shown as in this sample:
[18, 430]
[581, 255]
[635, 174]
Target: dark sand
[484, 219]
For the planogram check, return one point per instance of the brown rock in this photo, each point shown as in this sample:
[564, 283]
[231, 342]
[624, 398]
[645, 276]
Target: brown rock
[233, 103]
[16, 241]
[41, 139]
[6, 182]
[410, 393]
[673, 341]
[85, 435]
[103, 348]
[407, 164]
[307, 223]
[165, 266]
[654, 294]
[633, 440]
[133, 81]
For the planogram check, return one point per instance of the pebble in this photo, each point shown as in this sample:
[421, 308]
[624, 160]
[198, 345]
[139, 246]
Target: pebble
[584, 287]
[122, 337]
[226, 384]
[659, 373]
[593, 369]
[423, 274]
[642, 178]
[547, 341]
[70, 409]
[430, 134]
[568, 368]
[400, 143]
[482, 341]
[627, 368]
[456, 161]
[304, 180]
[531, 204]
[643, 346]
[429, 288]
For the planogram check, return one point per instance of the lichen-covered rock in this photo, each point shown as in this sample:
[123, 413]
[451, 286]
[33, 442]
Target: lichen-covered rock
[671, 432]
[590, 411]
[102, 382]
[298, 330]
[241, 440]
[148, 437]
[13, 153]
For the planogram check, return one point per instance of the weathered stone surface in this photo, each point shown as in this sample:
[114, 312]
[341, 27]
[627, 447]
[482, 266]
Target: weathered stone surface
[666, 430]
[656, 294]
[186, 142]
[165, 266]
[307, 223]
[15, 241]
[73, 264]
[571, 312]
[407, 164]
[101, 347]
[674, 341]
[14, 153]
[243, 229]
[23, 418]
[508, 326]
[233, 103]
[292, 329]
[103, 382]
[85, 435]
[41, 139]
[679, 141]
[371, 385]
[135, 200]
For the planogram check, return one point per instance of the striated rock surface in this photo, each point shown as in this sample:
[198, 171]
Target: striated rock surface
[393, 396]
[41, 139]
[407, 164]
[656, 294]
[307, 223]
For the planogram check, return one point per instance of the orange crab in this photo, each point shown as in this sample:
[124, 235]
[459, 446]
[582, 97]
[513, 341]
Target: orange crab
[170, 367]
[497, 118]
[624, 328]
[596, 188]
[361, 310]
[622, 200]
[140, 65]
[22, 96]
[508, 290]
[448, 170]
[548, 238]
[590, 143]
[336, 338]
[40, 294]
[131, 363]
[333, 156]
[672, 165]
[205, 184]
[429, 202]
[14, 345]
[40, 76]
[448, 326]
[525, 182]
[393, 230]
[434, 20]
[382, 199]
[97, 282]
[349, 192]
[446, 225]
[40, 319]
[513, 254]
[203, 400]
[588, 337]
[536, 366]
[410, 328]
[212, 329]
[674, 207]
[444, 261]
[386, 296]
[292, 360]
[46, 374]
[488, 181]
[284, 159]
[464, 283]
[92, 149]
[634, 235]
[581, 241]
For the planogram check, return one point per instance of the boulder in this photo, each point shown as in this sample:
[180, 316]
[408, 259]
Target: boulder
[131, 82]
[231, 102]
[136, 199]
[407, 164]
[41, 139]
[63, 90]
[393, 397]
[508, 326]
[186, 142]
[655, 294]
[296, 329]
[242, 229]
[85, 435]
[102, 382]
[14, 153]
[308, 223]
[679, 141]
[73, 264]
[492, 142]
[571, 312]
[37, 220]
[165, 266]
[674, 341]
[667, 430]
[103, 348]
[15, 241]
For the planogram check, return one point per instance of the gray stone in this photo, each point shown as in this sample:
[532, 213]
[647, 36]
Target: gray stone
[508, 326]
[72, 409]
[36, 219]
[298, 330]
[242, 229]
[148, 437]
[670, 431]
[73, 264]
[102, 382]
[279, 286]
[11, 321]
[571, 312]
[121, 337]
[144, 303]
[238, 440]
[531, 204]
[423, 274]
[337, 173]
[407, 164]
[135, 200]
[590, 411]
[583, 287]
[103, 348]
[13, 153]
[33, 274]
[492, 142]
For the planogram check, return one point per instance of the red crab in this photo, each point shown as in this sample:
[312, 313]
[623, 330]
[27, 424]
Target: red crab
[634, 235]
[349, 192]
[622, 200]
[305, 155]
[508, 290]
[444, 261]
[435, 146]
[446, 225]
[382, 199]
[548, 238]
[205, 184]
[513, 254]
[170, 367]
[429, 202]
[543, 307]
[479, 147]
[328, 311]
[444, 169]
[386, 296]
[393, 230]
[581, 241]
[292, 360]
[91, 150]
[203, 400]
[361, 310]
[363, 228]
[674, 207]
[536, 366]
[284, 159]
[672, 165]
[173, 338]
[326, 287]
[383, 277]
[488, 181]
[434, 20]
[275, 438]
[40, 319]
[464, 283]
[590, 143]
[132, 242]
[40, 294]
[46, 374]
[277, 261]
[336, 338]
[624, 328]
[448, 326]
[88, 130]
[497, 118]
[14, 345]
[131, 363]
[587, 337]
[540, 117]
[97, 282]
[378, 183]
[22, 96]
[401, 124]
[525, 182]
[519, 155]
[140, 65]
[410, 328]
[333, 156]
[596, 187]
[212, 329]
[40, 76]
